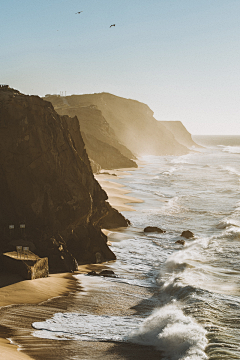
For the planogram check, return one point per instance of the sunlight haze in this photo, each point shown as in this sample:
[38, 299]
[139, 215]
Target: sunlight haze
[180, 57]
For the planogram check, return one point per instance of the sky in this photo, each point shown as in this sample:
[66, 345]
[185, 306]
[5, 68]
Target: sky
[180, 57]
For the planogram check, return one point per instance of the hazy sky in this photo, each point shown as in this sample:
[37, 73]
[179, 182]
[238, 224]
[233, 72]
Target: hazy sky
[181, 57]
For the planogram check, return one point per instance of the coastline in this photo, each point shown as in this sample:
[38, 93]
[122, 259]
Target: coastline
[15, 291]
[117, 193]
[18, 293]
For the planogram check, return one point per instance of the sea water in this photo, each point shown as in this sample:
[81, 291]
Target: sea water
[196, 313]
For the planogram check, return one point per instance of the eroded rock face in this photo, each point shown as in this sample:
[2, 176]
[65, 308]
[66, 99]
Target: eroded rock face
[47, 183]
[102, 144]
[131, 121]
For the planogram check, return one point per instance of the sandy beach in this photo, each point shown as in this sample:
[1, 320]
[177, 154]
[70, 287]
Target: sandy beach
[14, 290]
[23, 302]
[96, 296]
[117, 193]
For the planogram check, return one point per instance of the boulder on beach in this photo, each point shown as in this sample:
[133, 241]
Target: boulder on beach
[187, 234]
[92, 273]
[154, 229]
[106, 273]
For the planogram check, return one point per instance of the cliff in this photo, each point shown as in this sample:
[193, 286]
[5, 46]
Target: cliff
[47, 184]
[102, 145]
[180, 133]
[133, 123]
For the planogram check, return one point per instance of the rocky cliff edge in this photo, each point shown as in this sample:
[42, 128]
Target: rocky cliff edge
[47, 184]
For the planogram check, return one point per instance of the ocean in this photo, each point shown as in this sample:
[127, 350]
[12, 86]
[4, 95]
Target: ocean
[191, 311]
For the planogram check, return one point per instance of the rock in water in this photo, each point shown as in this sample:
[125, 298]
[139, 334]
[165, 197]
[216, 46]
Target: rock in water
[106, 272]
[187, 234]
[47, 183]
[153, 229]
[181, 242]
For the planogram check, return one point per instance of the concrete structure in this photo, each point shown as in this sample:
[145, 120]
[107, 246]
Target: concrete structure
[28, 265]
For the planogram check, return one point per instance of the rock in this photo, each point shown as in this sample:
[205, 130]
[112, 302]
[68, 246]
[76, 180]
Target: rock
[107, 273]
[131, 124]
[102, 144]
[153, 229]
[187, 234]
[92, 273]
[181, 242]
[47, 183]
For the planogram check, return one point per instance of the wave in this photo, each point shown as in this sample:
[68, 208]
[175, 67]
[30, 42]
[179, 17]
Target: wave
[227, 223]
[230, 149]
[172, 206]
[178, 336]
[171, 170]
[231, 170]
[184, 159]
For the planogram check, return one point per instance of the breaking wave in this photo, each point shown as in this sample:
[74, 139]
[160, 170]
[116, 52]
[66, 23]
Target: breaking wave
[176, 335]
[230, 149]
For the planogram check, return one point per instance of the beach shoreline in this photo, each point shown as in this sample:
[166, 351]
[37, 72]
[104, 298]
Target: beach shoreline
[117, 193]
[15, 291]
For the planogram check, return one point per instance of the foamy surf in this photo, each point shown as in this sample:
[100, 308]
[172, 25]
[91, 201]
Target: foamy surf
[86, 327]
[194, 288]
[231, 149]
[176, 335]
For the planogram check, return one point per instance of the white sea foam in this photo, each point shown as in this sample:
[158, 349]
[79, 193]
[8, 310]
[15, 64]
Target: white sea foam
[184, 159]
[231, 170]
[168, 329]
[231, 149]
[170, 170]
[228, 222]
[178, 336]
[74, 326]
[172, 206]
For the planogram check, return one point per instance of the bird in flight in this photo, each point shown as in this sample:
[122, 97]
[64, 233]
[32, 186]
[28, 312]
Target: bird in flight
[112, 25]
[79, 12]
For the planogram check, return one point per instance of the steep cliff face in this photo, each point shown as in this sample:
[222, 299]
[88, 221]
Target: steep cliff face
[102, 144]
[180, 133]
[47, 184]
[133, 124]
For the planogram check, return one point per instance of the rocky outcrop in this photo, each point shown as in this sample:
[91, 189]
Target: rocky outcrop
[102, 145]
[180, 133]
[132, 122]
[187, 234]
[47, 184]
[153, 229]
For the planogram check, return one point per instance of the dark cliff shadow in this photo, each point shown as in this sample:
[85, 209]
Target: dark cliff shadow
[9, 279]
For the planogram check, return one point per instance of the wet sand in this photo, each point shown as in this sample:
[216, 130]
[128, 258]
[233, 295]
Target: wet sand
[24, 302]
[117, 193]
[14, 290]
[96, 296]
